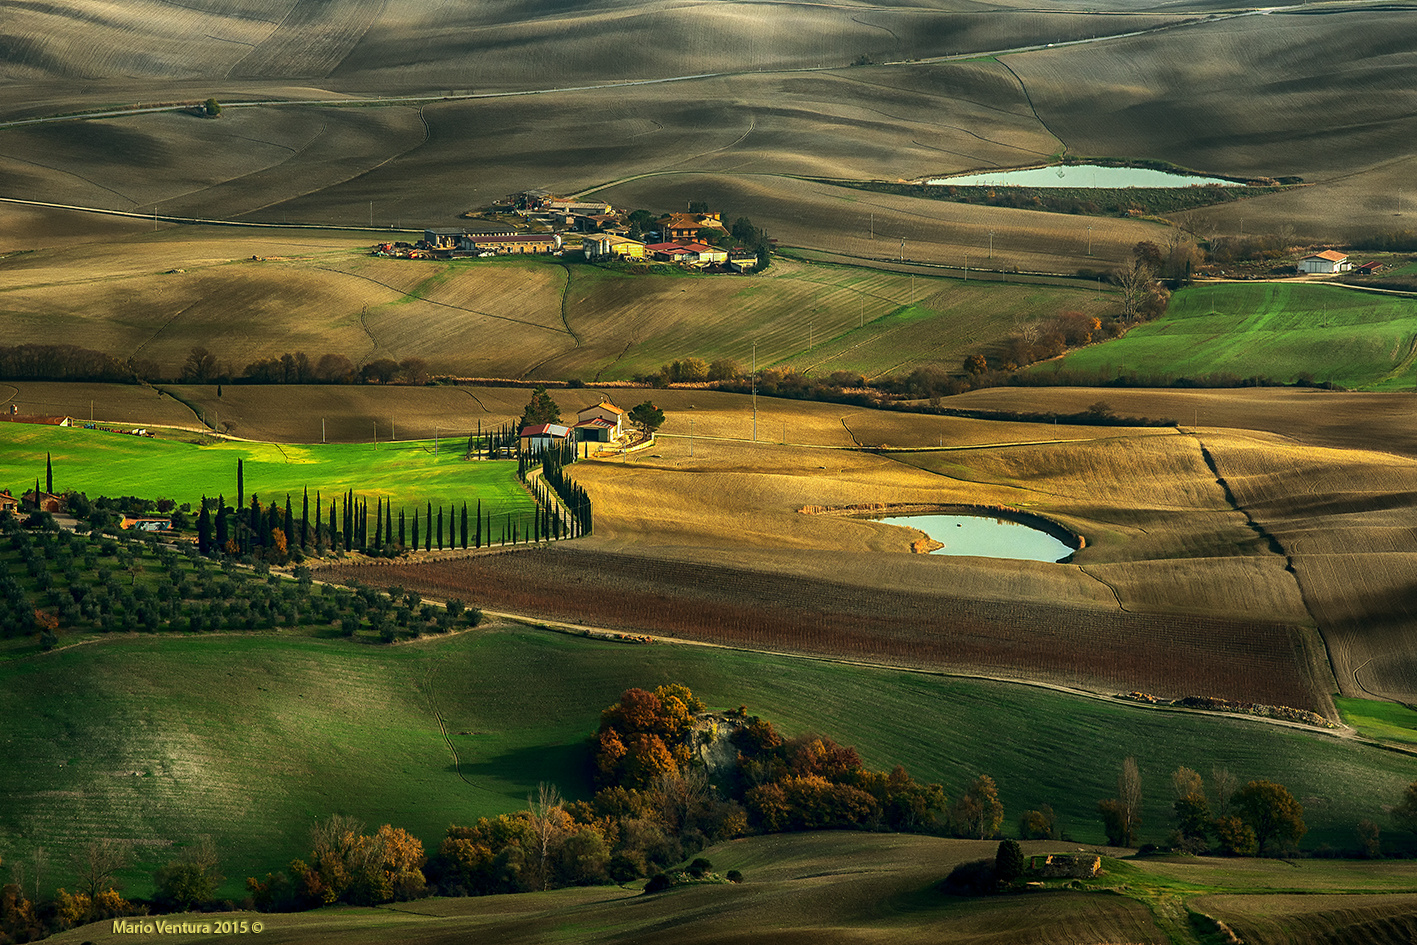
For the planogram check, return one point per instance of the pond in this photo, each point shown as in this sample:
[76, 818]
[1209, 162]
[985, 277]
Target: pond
[982, 536]
[1082, 175]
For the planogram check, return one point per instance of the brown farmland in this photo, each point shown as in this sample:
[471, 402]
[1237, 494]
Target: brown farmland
[1095, 649]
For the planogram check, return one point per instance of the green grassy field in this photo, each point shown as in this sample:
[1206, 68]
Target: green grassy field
[113, 464]
[251, 738]
[1279, 330]
[1385, 721]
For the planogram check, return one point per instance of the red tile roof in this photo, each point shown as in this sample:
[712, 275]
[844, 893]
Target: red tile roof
[1329, 254]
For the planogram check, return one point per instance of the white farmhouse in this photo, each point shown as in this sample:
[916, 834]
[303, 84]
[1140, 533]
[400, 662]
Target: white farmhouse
[1329, 261]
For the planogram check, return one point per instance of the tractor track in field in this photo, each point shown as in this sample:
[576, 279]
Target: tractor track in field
[442, 723]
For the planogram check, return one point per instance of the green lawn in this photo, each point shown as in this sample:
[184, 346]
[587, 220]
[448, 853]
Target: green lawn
[1280, 330]
[1385, 721]
[252, 737]
[112, 464]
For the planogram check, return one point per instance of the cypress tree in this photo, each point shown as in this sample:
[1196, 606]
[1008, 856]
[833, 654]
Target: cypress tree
[349, 519]
[204, 529]
[440, 527]
[428, 538]
[334, 526]
[305, 519]
[463, 526]
[477, 536]
[289, 524]
[389, 522]
[319, 539]
[379, 522]
[414, 545]
[402, 533]
[221, 528]
[48, 475]
[240, 486]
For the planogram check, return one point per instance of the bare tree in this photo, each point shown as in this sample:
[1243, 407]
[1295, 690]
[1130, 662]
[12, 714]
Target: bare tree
[547, 814]
[1226, 784]
[1134, 279]
[1129, 794]
[200, 366]
[96, 863]
[1185, 782]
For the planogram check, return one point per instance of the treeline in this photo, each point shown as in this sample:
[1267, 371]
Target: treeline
[202, 367]
[31, 362]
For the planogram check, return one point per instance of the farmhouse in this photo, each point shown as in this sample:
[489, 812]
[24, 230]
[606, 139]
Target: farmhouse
[544, 436]
[686, 226]
[1328, 261]
[47, 501]
[600, 423]
[8, 503]
[609, 245]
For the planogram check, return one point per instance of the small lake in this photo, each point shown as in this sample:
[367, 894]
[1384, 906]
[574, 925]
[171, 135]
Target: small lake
[1081, 175]
[984, 537]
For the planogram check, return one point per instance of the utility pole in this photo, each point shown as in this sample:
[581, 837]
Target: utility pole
[376, 434]
[902, 249]
[966, 267]
[1089, 240]
[322, 429]
[755, 392]
[991, 244]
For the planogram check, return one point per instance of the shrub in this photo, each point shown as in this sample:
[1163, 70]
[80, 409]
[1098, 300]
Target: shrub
[733, 876]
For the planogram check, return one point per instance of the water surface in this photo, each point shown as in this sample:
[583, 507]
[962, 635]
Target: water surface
[983, 537]
[1082, 175]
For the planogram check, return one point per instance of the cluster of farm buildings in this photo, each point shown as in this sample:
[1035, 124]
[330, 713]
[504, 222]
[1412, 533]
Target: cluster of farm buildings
[599, 423]
[679, 238]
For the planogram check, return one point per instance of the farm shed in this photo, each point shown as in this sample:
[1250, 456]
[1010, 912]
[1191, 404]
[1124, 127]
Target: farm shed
[671, 252]
[600, 247]
[146, 524]
[1328, 261]
[1370, 267]
[519, 243]
[705, 255]
[544, 436]
[595, 430]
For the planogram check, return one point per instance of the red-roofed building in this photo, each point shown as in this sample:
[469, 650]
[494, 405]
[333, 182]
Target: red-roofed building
[1370, 267]
[600, 423]
[1328, 261]
[672, 252]
[544, 436]
[686, 226]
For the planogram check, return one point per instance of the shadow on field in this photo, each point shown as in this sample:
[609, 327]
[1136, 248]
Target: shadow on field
[569, 767]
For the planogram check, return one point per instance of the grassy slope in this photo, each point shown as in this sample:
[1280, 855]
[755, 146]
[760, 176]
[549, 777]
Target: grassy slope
[1280, 330]
[250, 738]
[99, 463]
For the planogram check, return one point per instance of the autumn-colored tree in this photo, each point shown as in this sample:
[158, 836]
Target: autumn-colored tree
[189, 880]
[978, 812]
[1040, 824]
[1233, 836]
[1271, 812]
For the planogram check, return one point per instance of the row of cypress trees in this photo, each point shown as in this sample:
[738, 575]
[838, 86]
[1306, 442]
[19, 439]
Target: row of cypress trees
[275, 532]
